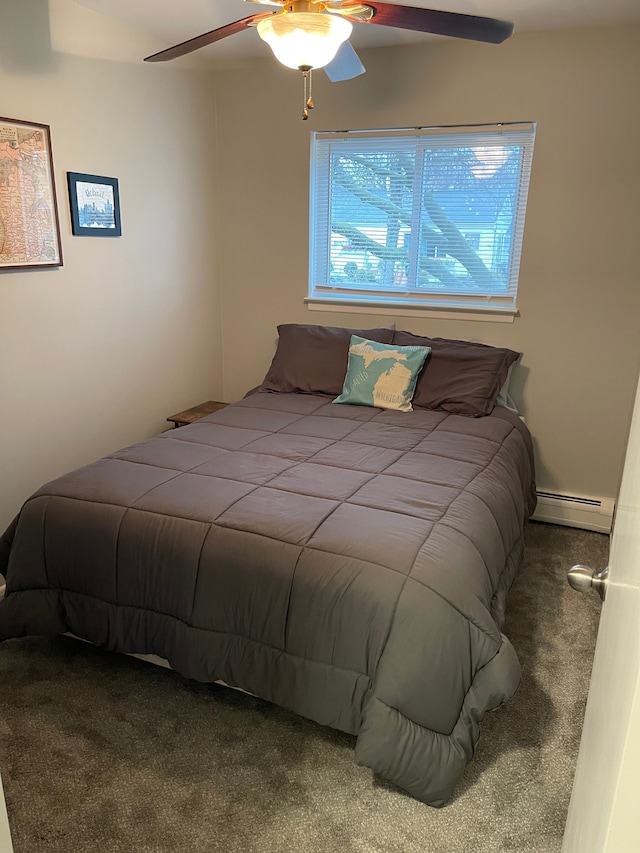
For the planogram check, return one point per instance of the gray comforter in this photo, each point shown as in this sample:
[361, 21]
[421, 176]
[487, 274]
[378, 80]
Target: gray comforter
[347, 563]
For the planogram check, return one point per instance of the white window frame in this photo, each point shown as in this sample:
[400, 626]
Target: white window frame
[325, 295]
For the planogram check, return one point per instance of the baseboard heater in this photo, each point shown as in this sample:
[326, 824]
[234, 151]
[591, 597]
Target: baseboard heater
[575, 511]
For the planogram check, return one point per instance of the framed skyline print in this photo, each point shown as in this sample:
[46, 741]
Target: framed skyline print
[29, 226]
[95, 205]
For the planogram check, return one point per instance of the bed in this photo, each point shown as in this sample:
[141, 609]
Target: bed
[347, 562]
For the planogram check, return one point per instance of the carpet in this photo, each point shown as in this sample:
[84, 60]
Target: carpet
[101, 752]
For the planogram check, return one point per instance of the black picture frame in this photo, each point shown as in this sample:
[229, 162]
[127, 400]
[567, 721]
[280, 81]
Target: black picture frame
[95, 205]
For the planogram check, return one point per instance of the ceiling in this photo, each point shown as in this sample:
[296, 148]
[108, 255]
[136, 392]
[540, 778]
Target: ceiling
[168, 22]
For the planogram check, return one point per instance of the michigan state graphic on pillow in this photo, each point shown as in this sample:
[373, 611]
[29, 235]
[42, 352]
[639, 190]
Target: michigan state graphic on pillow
[382, 375]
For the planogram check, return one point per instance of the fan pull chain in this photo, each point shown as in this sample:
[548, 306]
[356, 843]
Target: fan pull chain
[307, 77]
[310, 104]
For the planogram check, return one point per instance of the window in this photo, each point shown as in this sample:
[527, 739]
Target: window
[429, 218]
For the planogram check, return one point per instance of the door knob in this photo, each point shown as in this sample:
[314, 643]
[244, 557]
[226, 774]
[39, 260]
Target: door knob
[584, 578]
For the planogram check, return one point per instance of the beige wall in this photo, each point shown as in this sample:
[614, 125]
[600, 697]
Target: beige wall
[579, 327]
[95, 355]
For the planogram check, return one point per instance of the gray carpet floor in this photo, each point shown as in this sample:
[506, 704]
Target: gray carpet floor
[104, 753]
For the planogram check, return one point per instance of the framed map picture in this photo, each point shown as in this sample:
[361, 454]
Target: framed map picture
[95, 205]
[29, 227]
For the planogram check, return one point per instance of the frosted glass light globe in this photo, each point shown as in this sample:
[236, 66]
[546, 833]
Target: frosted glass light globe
[304, 39]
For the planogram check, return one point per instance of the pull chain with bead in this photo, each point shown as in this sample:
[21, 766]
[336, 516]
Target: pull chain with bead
[307, 77]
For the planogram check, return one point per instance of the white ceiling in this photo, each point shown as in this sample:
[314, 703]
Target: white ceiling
[168, 22]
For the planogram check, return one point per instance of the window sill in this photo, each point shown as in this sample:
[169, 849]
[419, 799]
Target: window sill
[388, 309]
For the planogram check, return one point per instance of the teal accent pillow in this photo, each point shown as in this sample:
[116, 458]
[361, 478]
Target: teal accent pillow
[382, 375]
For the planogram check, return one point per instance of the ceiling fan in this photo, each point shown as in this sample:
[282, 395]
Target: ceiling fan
[310, 34]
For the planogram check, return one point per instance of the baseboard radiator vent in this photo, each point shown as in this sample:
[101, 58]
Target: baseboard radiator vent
[575, 511]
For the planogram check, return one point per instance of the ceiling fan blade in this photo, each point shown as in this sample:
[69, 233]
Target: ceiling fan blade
[453, 24]
[345, 65]
[207, 38]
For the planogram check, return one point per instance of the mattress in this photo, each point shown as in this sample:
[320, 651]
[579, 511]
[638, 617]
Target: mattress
[347, 563]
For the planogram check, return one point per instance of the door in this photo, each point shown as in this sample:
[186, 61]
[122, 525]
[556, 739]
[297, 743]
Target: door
[604, 813]
[5, 837]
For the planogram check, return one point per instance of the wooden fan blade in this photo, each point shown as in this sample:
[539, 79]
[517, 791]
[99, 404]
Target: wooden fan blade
[345, 65]
[207, 38]
[453, 24]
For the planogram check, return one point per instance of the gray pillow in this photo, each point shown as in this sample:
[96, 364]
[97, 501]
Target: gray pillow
[314, 359]
[461, 377]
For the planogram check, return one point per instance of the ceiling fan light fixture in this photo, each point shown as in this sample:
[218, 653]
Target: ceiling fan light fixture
[304, 39]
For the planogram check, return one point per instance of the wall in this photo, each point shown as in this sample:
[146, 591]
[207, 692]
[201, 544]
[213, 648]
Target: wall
[579, 289]
[96, 354]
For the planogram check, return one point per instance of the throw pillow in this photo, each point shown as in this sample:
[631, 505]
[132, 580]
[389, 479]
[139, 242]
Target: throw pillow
[382, 375]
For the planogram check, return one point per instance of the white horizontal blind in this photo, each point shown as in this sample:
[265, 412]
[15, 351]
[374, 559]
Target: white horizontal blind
[431, 217]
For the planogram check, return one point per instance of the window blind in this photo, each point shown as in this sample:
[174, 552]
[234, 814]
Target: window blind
[429, 216]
